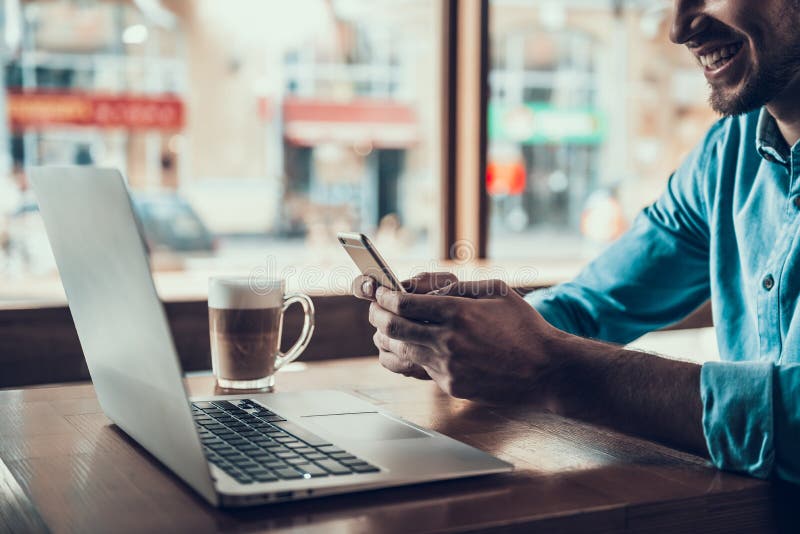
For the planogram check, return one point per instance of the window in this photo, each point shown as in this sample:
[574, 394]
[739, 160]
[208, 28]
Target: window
[250, 132]
[590, 110]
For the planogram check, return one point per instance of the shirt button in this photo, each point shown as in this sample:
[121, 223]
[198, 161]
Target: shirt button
[768, 282]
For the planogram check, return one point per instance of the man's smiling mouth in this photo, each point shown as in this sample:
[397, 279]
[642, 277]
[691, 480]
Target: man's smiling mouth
[715, 58]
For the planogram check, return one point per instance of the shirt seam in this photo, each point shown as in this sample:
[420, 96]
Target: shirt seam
[715, 138]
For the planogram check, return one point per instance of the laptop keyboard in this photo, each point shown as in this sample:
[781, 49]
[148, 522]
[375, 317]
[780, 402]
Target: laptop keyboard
[253, 445]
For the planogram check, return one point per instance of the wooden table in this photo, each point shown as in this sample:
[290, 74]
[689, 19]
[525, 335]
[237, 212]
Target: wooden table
[68, 469]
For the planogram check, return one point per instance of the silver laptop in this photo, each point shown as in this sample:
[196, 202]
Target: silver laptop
[233, 450]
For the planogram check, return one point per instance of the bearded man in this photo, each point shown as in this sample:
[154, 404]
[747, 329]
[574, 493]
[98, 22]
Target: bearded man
[727, 228]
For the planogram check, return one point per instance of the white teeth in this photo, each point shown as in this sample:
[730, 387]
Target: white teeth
[714, 59]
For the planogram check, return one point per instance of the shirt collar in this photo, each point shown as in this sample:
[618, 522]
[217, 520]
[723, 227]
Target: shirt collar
[769, 141]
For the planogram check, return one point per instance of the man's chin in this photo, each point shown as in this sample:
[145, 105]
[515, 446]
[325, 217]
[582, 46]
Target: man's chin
[730, 103]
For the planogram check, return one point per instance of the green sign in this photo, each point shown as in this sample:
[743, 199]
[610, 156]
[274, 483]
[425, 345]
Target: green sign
[537, 124]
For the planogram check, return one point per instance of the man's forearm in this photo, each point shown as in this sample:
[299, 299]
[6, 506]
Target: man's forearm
[638, 393]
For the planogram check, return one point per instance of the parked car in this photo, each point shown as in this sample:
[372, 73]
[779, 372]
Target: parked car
[167, 221]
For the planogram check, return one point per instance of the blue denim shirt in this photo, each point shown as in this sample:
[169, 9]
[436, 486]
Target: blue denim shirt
[726, 228]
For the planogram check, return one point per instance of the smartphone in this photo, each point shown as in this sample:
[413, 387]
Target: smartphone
[368, 260]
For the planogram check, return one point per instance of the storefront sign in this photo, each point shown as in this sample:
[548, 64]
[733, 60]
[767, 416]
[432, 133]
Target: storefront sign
[541, 124]
[44, 109]
[382, 124]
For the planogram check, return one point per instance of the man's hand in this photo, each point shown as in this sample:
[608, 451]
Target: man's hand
[364, 287]
[482, 341]
[476, 340]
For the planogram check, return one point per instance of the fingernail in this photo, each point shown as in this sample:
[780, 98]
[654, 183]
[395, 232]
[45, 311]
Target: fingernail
[443, 289]
[379, 291]
[366, 287]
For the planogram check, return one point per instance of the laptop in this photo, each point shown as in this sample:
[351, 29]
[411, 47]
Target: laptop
[234, 450]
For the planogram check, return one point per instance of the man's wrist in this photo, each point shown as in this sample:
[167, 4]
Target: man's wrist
[635, 392]
[581, 368]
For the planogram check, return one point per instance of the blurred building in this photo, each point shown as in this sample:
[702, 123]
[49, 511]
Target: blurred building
[319, 109]
[585, 97]
[283, 122]
[95, 82]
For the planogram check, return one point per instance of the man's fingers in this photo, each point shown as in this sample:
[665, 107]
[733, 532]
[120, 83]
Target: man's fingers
[396, 363]
[364, 287]
[476, 289]
[425, 307]
[426, 282]
[397, 327]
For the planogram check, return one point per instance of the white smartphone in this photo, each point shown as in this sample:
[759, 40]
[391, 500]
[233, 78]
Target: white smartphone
[368, 260]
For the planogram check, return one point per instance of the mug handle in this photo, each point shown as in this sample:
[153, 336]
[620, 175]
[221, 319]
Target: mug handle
[305, 335]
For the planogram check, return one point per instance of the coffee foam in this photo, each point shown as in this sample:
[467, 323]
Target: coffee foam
[245, 293]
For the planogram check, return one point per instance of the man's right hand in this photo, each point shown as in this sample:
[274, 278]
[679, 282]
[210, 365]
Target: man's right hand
[364, 287]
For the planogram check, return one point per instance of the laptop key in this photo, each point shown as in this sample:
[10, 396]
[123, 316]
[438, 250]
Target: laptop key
[266, 477]
[328, 449]
[226, 420]
[338, 455]
[313, 470]
[276, 465]
[272, 418]
[333, 467]
[315, 456]
[351, 461]
[288, 473]
[364, 468]
[301, 433]
[202, 404]
[254, 470]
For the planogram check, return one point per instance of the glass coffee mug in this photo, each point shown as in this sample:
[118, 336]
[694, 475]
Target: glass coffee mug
[245, 319]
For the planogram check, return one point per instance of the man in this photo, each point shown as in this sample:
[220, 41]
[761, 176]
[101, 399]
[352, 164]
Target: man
[726, 228]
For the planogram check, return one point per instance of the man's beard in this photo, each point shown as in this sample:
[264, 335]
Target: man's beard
[774, 74]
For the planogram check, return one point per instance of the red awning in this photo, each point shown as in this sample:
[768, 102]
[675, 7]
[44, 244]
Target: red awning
[384, 124]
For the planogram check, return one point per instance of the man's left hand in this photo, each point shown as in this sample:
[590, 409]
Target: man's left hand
[476, 340]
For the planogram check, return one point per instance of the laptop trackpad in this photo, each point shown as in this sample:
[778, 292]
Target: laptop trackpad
[364, 426]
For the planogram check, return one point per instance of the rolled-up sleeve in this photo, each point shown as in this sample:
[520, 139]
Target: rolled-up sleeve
[751, 417]
[654, 275]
